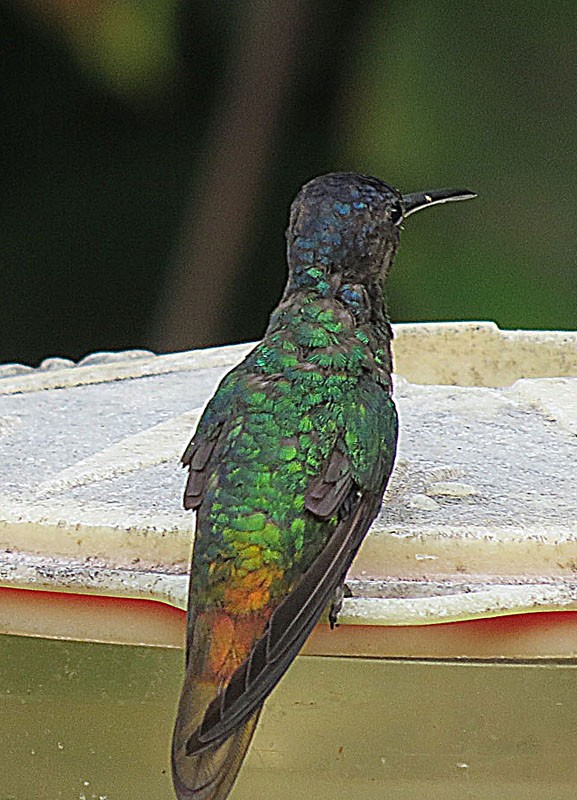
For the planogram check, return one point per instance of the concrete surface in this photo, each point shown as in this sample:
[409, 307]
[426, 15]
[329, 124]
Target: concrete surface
[480, 517]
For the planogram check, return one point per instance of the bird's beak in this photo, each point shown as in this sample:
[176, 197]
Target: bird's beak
[418, 200]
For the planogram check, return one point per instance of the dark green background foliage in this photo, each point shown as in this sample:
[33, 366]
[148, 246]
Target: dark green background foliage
[113, 142]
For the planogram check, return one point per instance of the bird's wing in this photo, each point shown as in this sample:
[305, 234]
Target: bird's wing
[197, 458]
[210, 431]
[349, 488]
[327, 491]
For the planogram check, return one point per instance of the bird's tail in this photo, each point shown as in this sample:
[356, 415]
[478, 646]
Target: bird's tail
[208, 773]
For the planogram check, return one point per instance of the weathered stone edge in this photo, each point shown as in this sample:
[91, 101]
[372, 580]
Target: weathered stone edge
[29, 572]
[565, 342]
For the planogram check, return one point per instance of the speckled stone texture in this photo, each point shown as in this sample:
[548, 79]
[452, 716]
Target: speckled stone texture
[480, 516]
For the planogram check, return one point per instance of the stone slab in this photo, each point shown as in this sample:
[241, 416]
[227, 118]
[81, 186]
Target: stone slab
[480, 517]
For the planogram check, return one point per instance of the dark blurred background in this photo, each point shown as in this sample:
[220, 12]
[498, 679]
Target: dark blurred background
[150, 150]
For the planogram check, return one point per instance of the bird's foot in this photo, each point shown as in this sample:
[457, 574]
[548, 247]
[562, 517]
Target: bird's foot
[341, 592]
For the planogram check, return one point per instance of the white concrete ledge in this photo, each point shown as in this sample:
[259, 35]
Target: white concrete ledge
[480, 518]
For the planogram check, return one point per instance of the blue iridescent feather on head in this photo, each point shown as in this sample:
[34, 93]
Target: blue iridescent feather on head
[342, 224]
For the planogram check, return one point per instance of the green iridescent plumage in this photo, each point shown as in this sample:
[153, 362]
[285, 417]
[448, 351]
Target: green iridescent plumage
[274, 441]
[287, 469]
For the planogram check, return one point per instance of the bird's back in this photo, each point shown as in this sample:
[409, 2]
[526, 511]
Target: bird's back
[286, 450]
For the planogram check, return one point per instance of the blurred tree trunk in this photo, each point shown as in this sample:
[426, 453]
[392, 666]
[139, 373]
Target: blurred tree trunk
[239, 147]
[273, 125]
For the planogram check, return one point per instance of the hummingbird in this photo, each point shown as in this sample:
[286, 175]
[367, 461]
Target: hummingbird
[287, 470]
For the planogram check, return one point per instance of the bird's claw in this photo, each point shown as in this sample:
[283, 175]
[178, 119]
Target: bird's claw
[341, 592]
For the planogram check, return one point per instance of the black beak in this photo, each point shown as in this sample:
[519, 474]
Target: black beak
[418, 200]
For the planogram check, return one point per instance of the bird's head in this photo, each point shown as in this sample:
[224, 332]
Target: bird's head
[344, 228]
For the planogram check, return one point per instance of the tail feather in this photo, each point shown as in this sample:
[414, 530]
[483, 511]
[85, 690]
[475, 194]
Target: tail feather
[216, 643]
[209, 775]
